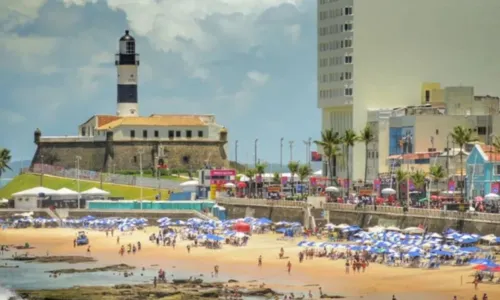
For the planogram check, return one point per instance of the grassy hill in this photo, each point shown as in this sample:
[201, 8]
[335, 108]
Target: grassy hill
[27, 181]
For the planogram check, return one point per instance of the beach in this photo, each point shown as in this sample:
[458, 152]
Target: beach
[240, 263]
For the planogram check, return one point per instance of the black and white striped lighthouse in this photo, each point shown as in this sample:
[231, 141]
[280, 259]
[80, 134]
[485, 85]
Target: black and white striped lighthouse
[127, 62]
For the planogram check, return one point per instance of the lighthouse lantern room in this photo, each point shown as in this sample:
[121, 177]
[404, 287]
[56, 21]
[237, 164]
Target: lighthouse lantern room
[127, 63]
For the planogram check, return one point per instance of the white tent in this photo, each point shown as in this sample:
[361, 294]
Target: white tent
[35, 192]
[190, 183]
[66, 192]
[318, 173]
[95, 192]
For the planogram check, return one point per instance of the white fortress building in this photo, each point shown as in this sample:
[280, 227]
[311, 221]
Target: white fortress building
[376, 54]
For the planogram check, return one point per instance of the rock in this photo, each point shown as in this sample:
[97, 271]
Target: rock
[259, 292]
[325, 296]
[116, 268]
[232, 281]
[54, 259]
[122, 286]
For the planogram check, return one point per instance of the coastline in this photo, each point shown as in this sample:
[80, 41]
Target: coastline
[240, 263]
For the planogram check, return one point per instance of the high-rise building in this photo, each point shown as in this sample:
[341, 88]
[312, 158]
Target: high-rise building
[376, 54]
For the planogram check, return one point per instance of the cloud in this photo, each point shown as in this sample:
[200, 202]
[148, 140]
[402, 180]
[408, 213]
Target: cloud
[258, 77]
[293, 31]
[11, 117]
[14, 13]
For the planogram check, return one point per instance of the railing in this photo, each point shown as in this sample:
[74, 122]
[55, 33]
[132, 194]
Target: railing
[433, 213]
[261, 202]
[72, 138]
[105, 177]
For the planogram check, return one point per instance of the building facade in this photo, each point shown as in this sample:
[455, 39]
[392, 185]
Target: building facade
[483, 171]
[375, 54]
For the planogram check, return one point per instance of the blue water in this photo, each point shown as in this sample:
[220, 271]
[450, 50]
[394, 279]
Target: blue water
[4, 181]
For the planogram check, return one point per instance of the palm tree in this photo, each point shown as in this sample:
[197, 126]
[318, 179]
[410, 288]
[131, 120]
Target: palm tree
[260, 169]
[418, 178]
[293, 166]
[462, 136]
[5, 158]
[349, 139]
[401, 176]
[304, 172]
[366, 136]
[276, 178]
[250, 173]
[330, 142]
[496, 144]
[437, 174]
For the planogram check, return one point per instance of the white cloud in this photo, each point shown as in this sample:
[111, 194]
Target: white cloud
[11, 117]
[14, 13]
[258, 77]
[293, 31]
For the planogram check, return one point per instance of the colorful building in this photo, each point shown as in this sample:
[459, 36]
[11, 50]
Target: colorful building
[483, 171]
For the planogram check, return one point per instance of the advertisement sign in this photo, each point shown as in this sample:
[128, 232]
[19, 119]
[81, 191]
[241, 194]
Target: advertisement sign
[223, 172]
[401, 140]
[495, 186]
[365, 192]
[451, 186]
[376, 184]
[258, 179]
[315, 156]
[222, 176]
[213, 190]
[284, 180]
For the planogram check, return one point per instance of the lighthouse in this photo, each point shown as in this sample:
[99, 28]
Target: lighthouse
[127, 62]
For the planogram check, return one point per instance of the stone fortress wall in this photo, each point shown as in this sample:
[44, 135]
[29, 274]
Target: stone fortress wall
[112, 155]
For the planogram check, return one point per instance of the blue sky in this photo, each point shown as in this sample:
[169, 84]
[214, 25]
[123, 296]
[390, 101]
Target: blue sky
[250, 62]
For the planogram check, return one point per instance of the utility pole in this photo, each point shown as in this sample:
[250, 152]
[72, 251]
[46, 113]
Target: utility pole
[41, 175]
[236, 154]
[407, 138]
[255, 156]
[140, 152]
[291, 150]
[78, 158]
[308, 151]
[281, 153]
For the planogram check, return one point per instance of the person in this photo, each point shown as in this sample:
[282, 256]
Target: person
[289, 266]
[118, 240]
[88, 250]
[485, 297]
[260, 261]
[155, 282]
[394, 297]
[310, 294]
[216, 270]
[347, 266]
[282, 253]
[475, 297]
[188, 249]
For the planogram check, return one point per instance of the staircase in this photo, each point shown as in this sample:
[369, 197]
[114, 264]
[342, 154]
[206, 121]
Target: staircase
[54, 216]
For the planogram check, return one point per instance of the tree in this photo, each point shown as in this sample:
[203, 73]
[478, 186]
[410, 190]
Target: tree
[330, 142]
[260, 169]
[401, 176]
[5, 158]
[250, 173]
[496, 144]
[276, 178]
[462, 136]
[366, 136]
[304, 172]
[349, 139]
[418, 178]
[437, 174]
[293, 166]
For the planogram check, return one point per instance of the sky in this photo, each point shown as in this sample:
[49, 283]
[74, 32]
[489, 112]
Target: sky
[252, 63]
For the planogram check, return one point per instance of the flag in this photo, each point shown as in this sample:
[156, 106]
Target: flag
[315, 156]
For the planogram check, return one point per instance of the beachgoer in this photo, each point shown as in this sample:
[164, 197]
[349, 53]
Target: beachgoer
[347, 266]
[216, 270]
[117, 240]
[474, 298]
[88, 250]
[260, 261]
[394, 297]
[282, 253]
[74, 243]
[155, 282]
[289, 267]
[139, 246]
[310, 294]
[188, 249]
[485, 297]
[475, 282]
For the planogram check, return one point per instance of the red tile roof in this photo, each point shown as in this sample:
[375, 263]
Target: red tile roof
[105, 119]
[490, 151]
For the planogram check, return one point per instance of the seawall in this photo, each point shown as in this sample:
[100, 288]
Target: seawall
[434, 220]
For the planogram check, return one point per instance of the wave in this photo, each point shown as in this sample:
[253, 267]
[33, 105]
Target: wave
[6, 294]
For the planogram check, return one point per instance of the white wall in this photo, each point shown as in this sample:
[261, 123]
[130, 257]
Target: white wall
[123, 132]
[26, 202]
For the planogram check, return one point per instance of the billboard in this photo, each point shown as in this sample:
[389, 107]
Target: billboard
[401, 140]
[315, 156]
[222, 176]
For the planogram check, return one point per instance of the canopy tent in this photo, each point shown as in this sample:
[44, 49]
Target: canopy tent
[241, 227]
[66, 191]
[36, 191]
[95, 191]
[190, 183]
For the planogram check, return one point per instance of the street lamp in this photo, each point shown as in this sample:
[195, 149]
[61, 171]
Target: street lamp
[308, 150]
[140, 152]
[291, 150]
[281, 152]
[255, 154]
[236, 154]
[77, 160]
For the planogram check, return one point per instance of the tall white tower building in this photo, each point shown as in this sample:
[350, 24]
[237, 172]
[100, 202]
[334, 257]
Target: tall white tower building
[376, 54]
[127, 63]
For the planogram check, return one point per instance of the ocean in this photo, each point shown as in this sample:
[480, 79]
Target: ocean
[4, 181]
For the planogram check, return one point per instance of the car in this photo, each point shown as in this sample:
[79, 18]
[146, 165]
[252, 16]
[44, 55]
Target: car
[82, 239]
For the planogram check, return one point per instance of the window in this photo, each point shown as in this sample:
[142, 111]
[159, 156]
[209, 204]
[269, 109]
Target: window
[348, 76]
[170, 134]
[496, 169]
[348, 11]
[437, 131]
[130, 47]
[135, 159]
[189, 134]
[348, 26]
[348, 59]
[178, 133]
[348, 43]
[145, 134]
[132, 133]
[481, 130]
[83, 131]
[200, 133]
[427, 96]
[348, 91]
[157, 134]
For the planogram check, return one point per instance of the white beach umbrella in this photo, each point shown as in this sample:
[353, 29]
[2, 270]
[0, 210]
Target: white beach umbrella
[332, 189]
[388, 191]
[190, 183]
[393, 228]
[413, 230]
[492, 196]
[229, 185]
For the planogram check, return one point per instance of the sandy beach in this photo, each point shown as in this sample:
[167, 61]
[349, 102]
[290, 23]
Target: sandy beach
[240, 263]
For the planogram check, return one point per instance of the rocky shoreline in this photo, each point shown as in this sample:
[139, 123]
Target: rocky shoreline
[165, 291]
[113, 268]
[53, 259]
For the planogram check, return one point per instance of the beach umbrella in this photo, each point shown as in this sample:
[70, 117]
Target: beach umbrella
[388, 191]
[332, 189]
[492, 196]
[229, 185]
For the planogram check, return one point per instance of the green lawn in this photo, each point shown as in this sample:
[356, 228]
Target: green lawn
[168, 177]
[27, 181]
